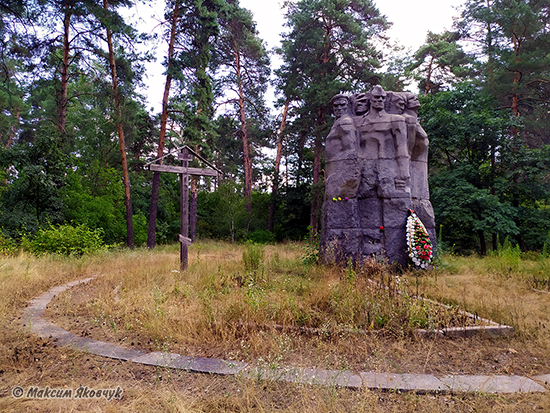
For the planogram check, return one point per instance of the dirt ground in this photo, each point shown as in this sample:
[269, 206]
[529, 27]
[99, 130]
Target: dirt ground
[356, 352]
[26, 361]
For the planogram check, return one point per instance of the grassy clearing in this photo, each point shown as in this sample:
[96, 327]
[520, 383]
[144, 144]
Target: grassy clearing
[226, 304]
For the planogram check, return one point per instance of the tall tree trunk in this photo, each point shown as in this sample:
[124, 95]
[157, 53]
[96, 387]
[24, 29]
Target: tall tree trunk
[162, 135]
[244, 136]
[482, 243]
[316, 190]
[63, 101]
[427, 87]
[517, 74]
[13, 129]
[301, 143]
[121, 142]
[275, 186]
[490, 55]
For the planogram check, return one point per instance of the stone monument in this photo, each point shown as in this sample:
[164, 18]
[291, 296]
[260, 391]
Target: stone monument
[376, 172]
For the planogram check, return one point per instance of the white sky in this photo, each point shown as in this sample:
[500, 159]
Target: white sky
[411, 19]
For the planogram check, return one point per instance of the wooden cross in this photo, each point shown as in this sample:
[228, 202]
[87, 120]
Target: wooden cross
[184, 171]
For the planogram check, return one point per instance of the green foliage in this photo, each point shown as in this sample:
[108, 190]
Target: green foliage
[140, 229]
[253, 256]
[484, 180]
[36, 172]
[509, 257]
[292, 213]
[95, 198]
[546, 247]
[222, 214]
[7, 245]
[65, 240]
[511, 36]
[311, 247]
[439, 62]
[261, 236]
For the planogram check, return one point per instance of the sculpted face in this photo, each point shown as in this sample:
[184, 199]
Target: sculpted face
[340, 107]
[377, 99]
[400, 104]
[413, 102]
[362, 106]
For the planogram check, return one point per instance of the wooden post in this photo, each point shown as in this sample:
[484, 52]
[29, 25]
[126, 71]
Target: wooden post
[184, 171]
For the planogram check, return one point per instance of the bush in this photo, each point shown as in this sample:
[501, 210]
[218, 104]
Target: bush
[66, 240]
[261, 237]
[253, 256]
[7, 245]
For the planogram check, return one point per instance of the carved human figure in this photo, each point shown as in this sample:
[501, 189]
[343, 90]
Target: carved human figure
[383, 147]
[418, 148]
[341, 167]
[361, 104]
[376, 160]
[419, 151]
[407, 104]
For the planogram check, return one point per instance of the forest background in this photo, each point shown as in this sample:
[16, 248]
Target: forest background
[76, 134]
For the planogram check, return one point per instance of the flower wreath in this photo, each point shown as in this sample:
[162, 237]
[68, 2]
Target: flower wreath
[420, 246]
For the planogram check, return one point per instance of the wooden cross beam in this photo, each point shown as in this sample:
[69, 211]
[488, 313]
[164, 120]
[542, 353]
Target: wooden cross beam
[184, 171]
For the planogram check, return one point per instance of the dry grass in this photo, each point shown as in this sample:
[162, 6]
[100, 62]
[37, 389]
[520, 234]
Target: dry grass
[491, 288]
[141, 300]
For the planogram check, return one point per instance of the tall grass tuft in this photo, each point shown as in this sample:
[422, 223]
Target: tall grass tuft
[253, 256]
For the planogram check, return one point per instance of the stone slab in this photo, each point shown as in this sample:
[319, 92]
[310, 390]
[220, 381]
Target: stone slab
[395, 245]
[339, 244]
[341, 214]
[44, 329]
[370, 212]
[215, 366]
[491, 384]
[100, 348]
[396, 212]
[164, 359]
[341, 378]
[423, 383]
[335, 378]
[492, 331]
[543, 379]
[320, 377]
[196, 364]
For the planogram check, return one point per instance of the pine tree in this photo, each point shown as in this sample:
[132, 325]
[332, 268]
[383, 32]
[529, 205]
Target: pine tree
[439, 62]
[242, 55]
[330, 47]
[512, 37]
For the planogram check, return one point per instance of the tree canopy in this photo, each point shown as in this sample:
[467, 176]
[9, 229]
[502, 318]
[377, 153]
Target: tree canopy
[76, 132]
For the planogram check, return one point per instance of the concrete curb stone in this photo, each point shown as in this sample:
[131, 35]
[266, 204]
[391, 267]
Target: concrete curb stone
[32, 319]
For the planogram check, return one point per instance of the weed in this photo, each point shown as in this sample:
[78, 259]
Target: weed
[7, 245]
[350, 272]
[253, 256]
[311, 247]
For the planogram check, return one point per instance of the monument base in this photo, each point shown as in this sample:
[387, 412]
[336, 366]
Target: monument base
[359, 229]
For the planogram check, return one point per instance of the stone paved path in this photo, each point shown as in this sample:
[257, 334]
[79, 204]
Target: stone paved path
[33, 319]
